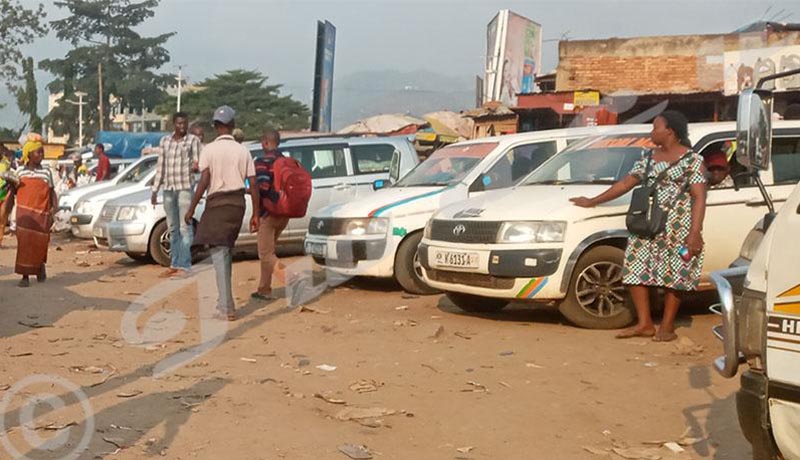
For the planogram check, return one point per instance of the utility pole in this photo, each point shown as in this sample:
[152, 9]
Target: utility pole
[180, 85]
[100, 92]
[80, 105]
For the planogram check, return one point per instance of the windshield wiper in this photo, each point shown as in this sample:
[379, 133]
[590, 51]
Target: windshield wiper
[573, 182]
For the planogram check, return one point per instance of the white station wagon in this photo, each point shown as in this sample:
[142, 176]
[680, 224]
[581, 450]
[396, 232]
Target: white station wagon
[530, 243]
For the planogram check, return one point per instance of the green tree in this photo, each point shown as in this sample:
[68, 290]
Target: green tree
[18, 26]
[257, 104]
[27, 97]
[102, 32]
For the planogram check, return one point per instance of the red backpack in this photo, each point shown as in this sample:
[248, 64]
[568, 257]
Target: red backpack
[292, 183]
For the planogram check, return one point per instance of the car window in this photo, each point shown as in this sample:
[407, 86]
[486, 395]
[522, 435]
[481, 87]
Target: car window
[321, 161]
[138, 171]
[603, 160]
[786, 160]
[372, 158]
[448, 165]
[728, 147]
[517, 163]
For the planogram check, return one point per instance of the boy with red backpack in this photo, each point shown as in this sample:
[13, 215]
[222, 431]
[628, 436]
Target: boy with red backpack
[285, 190]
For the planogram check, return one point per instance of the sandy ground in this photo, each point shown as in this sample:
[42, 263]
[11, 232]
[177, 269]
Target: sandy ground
[414, 378]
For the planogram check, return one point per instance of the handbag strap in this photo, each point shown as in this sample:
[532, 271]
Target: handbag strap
[664, 172]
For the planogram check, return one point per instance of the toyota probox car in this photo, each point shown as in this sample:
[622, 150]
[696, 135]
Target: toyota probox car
[377, 236]
[530, 243]
[342, 169]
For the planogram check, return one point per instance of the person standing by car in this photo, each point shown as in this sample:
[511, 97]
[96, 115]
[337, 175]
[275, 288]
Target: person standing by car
[673, 258]
[225, 165]
[103, 163]
[6, 191]
[178, 154]
[270, 227]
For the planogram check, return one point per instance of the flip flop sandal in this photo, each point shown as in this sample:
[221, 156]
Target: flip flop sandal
[260, 296]
[631, 333]
[665, 337]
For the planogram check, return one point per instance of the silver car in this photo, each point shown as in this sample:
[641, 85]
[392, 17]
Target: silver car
[86, 211]
[342, 169]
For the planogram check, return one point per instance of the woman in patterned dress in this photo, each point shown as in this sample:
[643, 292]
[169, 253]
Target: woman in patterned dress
[36, 205]
[656, 262]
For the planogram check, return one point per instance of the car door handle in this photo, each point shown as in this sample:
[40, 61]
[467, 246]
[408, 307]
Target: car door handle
[341, 186]
[755, 203]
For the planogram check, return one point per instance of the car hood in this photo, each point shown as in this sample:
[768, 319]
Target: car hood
[137, 198]
[84, 190]
[534, 202]
[393, 201]
[114, 192]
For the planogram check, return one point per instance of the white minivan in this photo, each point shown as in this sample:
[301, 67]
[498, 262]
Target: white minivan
[530, 243]
[378, 235]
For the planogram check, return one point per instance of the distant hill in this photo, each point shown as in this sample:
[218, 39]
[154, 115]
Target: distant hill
[363, 94]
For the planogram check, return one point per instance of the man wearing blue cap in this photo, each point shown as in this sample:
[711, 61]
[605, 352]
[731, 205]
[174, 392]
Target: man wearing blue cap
[224, 166]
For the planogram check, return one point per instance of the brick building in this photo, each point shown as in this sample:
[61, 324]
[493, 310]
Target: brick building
[699, 75]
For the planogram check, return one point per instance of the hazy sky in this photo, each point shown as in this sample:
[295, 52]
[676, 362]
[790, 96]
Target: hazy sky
[277, 37]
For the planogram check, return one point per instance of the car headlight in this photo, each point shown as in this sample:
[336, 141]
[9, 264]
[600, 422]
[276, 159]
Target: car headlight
[128, 213]
[361, 227]
[532, 232]
[751, 244]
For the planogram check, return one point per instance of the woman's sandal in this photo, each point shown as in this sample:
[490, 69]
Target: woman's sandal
[633, 332]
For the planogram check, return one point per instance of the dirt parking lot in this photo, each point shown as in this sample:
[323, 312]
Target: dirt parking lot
[364, 364]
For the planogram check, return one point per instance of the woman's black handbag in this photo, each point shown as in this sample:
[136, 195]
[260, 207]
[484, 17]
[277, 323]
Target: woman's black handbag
[646, 218]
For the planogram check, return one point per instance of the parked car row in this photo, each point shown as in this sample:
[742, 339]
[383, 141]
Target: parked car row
[487, 222]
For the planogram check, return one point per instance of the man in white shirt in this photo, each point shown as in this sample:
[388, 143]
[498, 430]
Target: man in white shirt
[224, 166]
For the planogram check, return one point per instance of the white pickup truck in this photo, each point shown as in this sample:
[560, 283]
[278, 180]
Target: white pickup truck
[760, 302]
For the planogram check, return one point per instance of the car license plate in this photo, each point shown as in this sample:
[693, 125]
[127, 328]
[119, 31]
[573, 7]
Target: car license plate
[455, 259]
[317, 249]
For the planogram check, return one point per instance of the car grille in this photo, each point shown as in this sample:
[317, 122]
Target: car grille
[108, 213]
[326, 226]
[465, 231]
[471, 279]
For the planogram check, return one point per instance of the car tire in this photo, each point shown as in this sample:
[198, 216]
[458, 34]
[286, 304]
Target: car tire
[596, 297]
[477, 304]
[138, 257]
[156, 249]
[407, 269]
[159, 253]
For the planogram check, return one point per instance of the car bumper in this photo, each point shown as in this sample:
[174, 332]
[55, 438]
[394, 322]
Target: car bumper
[353, 257]
[520, 274]
[123, 236]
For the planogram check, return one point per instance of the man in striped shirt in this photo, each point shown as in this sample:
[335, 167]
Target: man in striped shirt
[178, 157]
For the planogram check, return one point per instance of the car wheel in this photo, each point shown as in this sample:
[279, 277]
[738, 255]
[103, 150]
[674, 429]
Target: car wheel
[139, 257]
[596, 298]
[160, 245]
[408, 269]
[477, 304]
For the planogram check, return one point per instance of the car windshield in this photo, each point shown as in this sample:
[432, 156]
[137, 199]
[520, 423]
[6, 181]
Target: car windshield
[447, 166]
[603, 160]
[138, 171]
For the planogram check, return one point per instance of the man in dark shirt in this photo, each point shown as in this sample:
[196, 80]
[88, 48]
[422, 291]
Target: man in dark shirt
[270, 227]
[103, 163]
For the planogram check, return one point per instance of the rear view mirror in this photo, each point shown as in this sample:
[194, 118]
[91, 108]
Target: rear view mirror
[379, 184]
[754, 129]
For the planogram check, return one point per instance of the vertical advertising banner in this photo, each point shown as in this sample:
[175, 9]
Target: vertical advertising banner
[323, 77]
[514, 55]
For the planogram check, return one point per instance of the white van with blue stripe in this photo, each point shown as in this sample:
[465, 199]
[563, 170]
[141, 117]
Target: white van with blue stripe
[378, 235]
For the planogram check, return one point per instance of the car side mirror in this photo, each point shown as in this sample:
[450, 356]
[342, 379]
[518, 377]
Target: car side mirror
[754, 129]
[379, 184]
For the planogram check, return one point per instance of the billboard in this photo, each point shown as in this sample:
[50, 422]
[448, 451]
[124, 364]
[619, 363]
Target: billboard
[744, 68]
[323, 77]
[513, 57]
